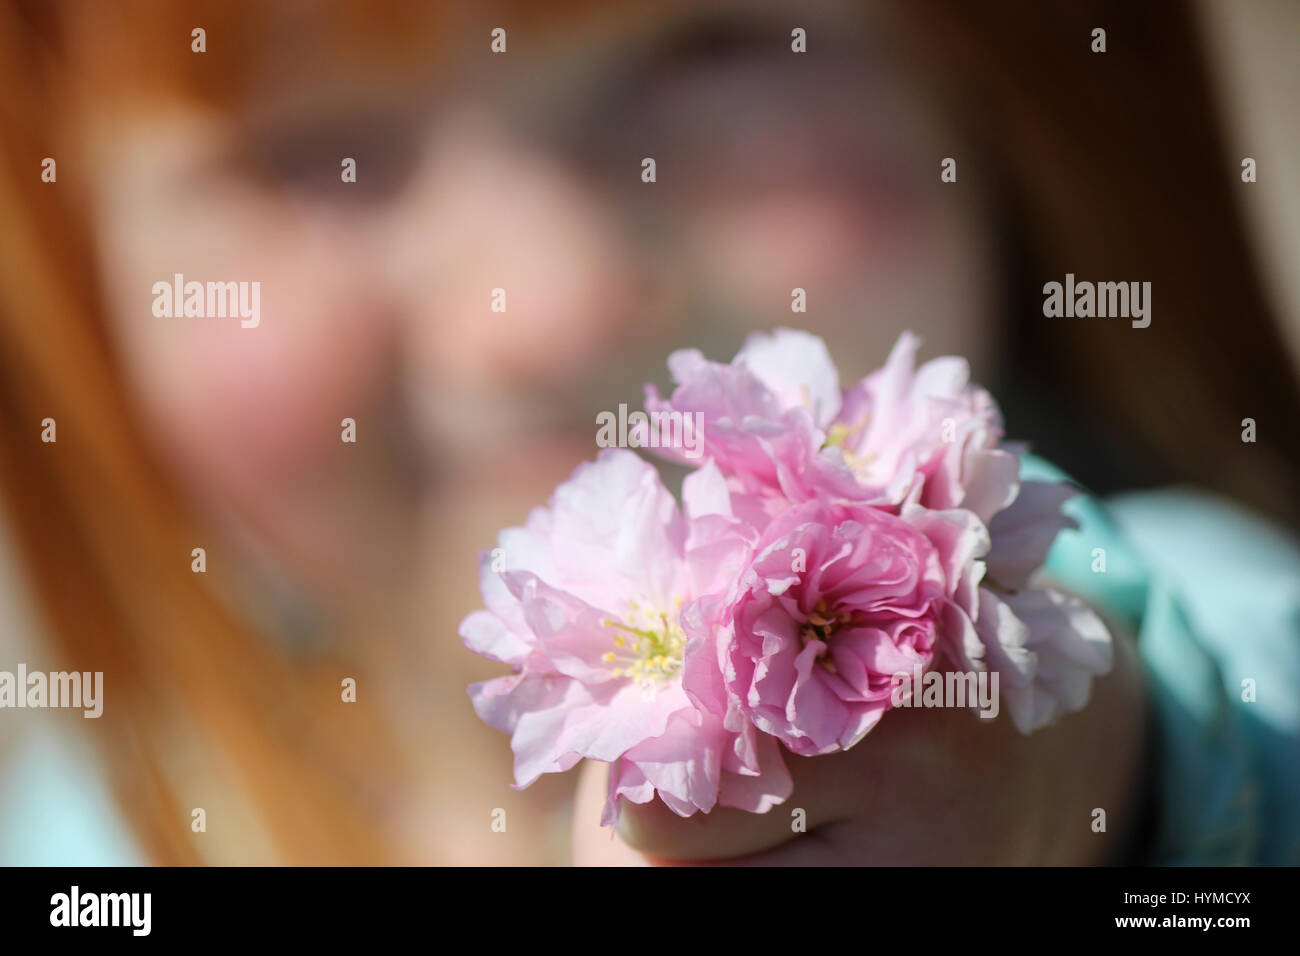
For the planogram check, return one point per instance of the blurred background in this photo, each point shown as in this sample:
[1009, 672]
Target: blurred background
[522, 171]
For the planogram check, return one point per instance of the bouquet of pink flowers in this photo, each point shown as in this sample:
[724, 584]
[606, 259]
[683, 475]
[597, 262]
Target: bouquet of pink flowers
[832, 545]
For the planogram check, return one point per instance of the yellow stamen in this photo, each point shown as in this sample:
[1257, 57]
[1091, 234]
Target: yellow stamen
[651, 645]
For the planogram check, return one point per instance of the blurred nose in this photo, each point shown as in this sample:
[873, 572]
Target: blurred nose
[508, 268]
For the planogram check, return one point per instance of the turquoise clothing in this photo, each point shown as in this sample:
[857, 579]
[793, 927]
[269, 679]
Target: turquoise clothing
[1213, 594]
[55, 805]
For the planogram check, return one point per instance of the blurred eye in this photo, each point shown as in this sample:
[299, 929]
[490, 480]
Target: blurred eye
[712, 41]
[303, 154]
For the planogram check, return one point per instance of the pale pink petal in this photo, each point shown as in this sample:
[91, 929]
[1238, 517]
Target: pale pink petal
[798, 369]
[1072, 646]
[485, 633]
[758, 792]
[533, 711]
[1023, 533]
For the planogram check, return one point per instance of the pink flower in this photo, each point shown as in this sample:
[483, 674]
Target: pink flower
[764, 415]
[1046, 647]
[924, 435]
[832, 541]
[592, 606]
[837, 599]
[778, 426]
[921, 442]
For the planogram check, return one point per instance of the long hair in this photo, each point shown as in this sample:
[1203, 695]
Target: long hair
[193, 694]
[1114, 169]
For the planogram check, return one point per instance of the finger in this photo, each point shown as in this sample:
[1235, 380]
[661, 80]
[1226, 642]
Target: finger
[594, 845]
[878, 779]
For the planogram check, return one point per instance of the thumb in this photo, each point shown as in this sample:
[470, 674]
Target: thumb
[829, 792]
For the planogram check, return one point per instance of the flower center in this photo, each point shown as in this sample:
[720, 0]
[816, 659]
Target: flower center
[648, 644]
[838, 434]
[821, 627]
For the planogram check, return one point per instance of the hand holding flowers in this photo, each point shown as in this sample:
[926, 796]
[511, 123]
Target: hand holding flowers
[831, 540]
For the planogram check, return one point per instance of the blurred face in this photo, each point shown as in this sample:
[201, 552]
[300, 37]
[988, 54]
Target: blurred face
[519, 172]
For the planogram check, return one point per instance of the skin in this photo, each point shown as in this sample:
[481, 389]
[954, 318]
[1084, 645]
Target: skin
[375, 306]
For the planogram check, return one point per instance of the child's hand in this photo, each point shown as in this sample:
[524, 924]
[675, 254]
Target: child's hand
[939, 786]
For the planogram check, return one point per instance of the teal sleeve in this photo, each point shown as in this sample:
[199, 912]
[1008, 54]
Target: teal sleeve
[1213, 594]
